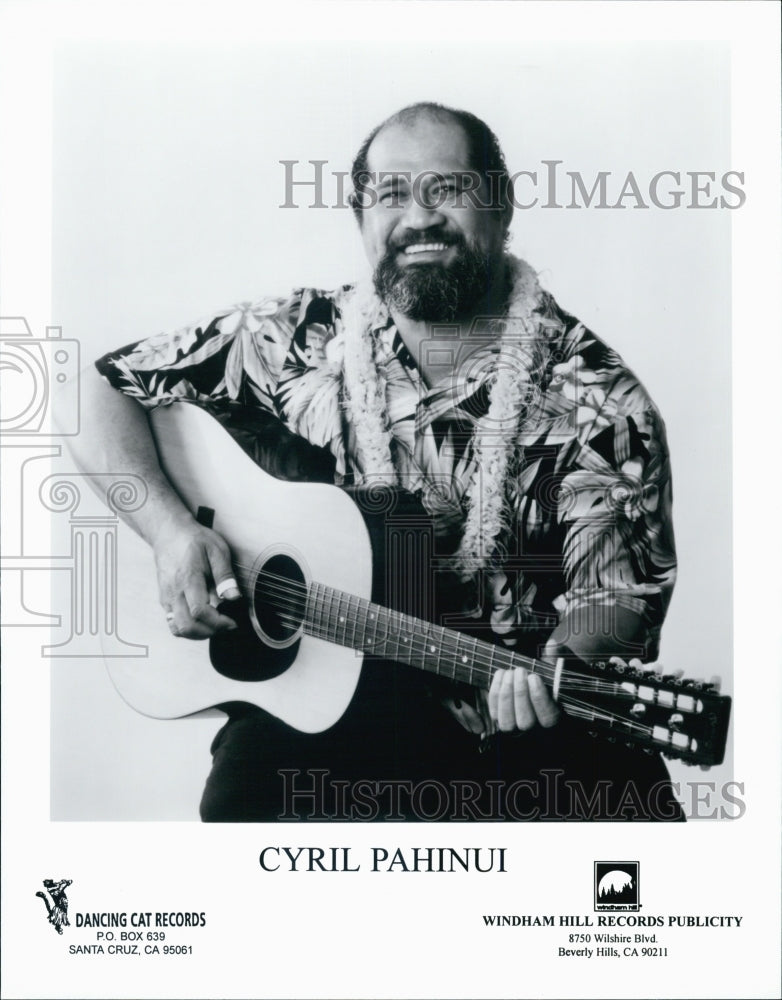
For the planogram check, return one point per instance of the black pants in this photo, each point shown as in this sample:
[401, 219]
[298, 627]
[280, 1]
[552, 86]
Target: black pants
[397, 754]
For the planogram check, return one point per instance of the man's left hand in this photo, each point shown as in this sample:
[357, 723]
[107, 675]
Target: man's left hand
[516, 701]
[519, 700]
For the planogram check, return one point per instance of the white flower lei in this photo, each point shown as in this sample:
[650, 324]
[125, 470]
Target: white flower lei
[495, 437]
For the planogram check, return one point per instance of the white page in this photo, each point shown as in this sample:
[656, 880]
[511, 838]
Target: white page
[149, 175]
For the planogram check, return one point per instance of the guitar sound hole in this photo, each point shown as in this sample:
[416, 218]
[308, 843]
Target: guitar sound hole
[280, 598]
[264, 643]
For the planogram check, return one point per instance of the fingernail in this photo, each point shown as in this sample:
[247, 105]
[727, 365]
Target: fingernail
[535, 681]
[457, 703]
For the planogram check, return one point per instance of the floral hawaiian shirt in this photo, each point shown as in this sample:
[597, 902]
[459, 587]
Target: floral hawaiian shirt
[590, 490]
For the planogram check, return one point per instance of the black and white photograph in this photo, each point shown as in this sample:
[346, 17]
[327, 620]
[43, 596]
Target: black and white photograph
[383, 504]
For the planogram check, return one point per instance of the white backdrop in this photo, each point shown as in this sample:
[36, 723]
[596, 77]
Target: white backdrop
[167, 187]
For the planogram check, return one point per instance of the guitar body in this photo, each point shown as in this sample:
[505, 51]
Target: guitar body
[303, 680]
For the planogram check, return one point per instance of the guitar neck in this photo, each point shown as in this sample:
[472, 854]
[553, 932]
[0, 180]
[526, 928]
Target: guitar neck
[378, 631]
[687, 721]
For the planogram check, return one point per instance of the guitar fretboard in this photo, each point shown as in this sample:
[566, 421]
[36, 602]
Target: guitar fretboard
[378, 631]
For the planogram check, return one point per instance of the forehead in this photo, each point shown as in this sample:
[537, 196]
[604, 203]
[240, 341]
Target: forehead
[424, 144]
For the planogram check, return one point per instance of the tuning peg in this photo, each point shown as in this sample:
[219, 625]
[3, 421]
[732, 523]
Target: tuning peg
[599, 664]
[715, 682]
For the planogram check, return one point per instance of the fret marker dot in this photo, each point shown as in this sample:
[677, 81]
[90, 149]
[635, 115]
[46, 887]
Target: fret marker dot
[342, 618]
[464, 659]
[432, 649]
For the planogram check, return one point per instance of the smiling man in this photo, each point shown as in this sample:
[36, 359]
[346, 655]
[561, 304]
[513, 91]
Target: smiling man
[536, 456]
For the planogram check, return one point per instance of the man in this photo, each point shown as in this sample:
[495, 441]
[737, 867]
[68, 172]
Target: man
[539, 458]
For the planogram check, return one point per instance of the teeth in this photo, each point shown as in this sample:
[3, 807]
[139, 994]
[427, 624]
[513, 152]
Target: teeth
[424, 247]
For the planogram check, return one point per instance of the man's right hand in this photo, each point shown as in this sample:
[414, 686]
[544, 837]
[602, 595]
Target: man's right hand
[192, 563]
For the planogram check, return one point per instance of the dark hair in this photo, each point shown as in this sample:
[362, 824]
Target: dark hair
[486, 156]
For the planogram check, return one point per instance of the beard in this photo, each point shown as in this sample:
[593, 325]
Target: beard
[434, 292]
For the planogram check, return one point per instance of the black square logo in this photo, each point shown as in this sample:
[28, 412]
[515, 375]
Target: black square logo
[616, 885]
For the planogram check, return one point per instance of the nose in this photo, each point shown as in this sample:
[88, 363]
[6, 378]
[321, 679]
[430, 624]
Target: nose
[419, 215]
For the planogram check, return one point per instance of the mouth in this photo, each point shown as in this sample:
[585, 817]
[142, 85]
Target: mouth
[423, 249]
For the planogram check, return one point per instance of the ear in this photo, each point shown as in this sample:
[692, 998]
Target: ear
[508, 208]
[355, 205]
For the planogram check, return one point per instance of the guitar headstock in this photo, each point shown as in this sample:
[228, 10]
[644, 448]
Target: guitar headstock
[681, 718]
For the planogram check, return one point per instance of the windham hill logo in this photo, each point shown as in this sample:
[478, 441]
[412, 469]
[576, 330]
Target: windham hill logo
[616, 885]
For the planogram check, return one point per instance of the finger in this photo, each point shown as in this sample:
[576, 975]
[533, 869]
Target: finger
[182, 624]
[482, 706]
[222, 572]
[506, 713]
[492, 701]
[201, 611]
[522, 706]
[468, 717]
[544, 705]
[227, 589]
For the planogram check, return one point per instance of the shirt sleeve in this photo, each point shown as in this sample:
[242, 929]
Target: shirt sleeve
[615, 506]
[236, 356]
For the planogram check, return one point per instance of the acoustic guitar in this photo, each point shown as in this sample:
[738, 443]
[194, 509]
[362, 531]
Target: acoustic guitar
[317, 600]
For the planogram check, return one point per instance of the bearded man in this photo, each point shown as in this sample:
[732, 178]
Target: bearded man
[538, 457]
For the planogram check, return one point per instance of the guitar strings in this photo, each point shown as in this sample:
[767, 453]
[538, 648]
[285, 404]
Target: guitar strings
[296, 615]
[296, 597]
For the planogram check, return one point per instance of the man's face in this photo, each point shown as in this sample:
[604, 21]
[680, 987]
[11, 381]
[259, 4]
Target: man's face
[434, 248]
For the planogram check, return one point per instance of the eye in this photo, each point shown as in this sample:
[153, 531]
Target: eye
[442, 192]
[392, 198]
